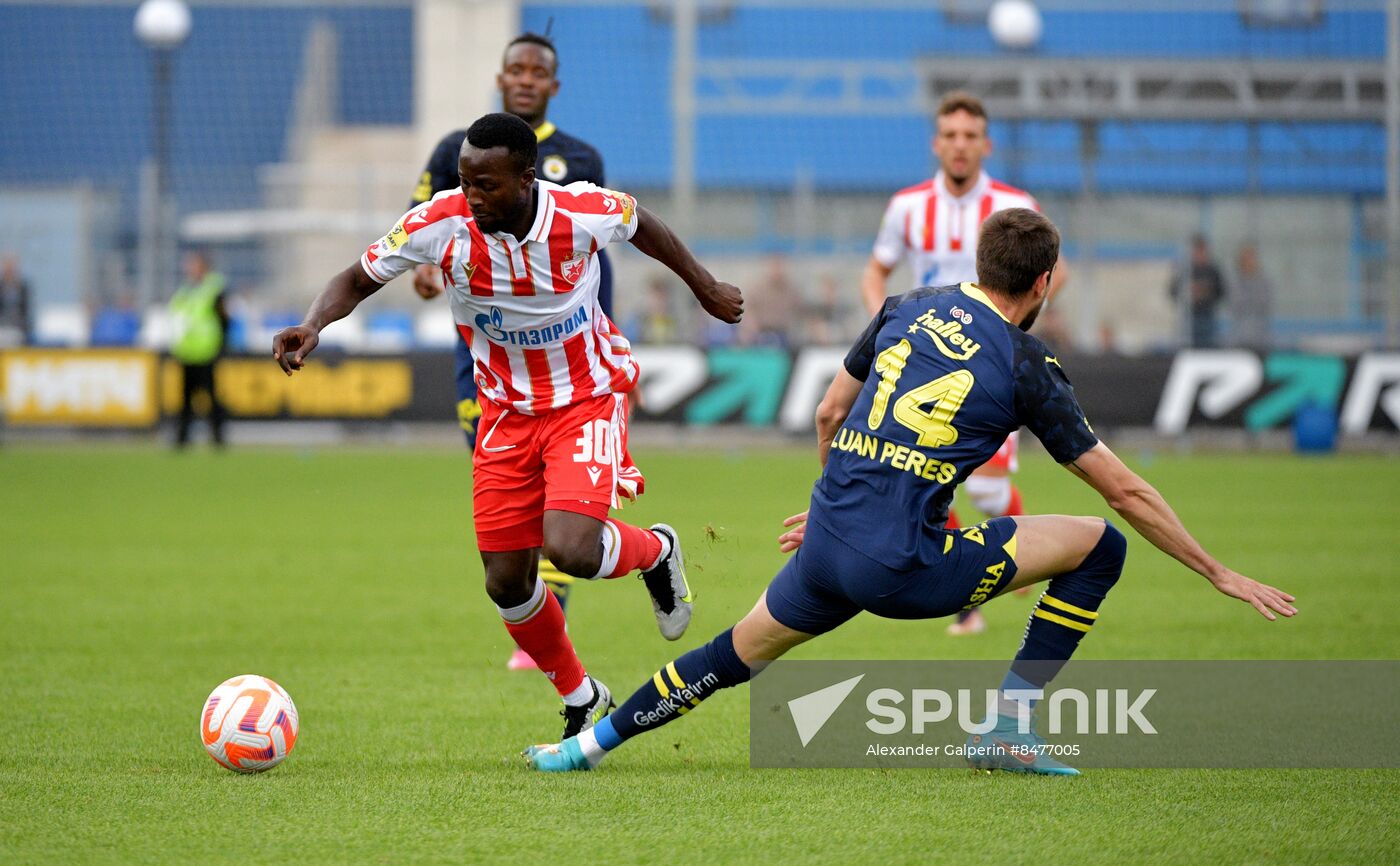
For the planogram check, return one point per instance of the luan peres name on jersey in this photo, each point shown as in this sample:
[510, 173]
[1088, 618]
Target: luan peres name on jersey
[896, 456]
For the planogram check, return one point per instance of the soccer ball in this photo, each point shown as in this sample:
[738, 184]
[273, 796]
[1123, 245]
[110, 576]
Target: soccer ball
[1014, 23]
[249, 724]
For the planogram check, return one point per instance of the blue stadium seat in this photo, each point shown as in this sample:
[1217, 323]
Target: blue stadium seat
[112, 326]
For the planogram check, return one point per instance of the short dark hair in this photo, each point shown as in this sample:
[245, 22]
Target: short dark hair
[505, 130]
[961, 100]
[529, 38]
[1015, 247]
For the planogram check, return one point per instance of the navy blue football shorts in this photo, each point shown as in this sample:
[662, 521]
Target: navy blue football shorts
[826, 582]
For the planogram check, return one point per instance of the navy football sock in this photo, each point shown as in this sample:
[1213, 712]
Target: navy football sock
[1066, 611]
[674, 690]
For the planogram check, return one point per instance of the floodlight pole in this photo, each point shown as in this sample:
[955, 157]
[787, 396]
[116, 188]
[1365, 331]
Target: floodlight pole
[161, 147]
[685, 23]
[161, 25]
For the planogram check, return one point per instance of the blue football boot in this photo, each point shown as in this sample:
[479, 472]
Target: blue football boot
[562, 757]
[1006, 748]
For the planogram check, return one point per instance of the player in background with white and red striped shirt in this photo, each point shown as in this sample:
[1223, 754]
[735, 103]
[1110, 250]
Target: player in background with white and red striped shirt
[518, 258]
[934, 226]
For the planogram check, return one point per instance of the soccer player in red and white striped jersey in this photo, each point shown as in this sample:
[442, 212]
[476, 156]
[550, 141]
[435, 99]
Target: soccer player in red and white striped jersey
[934, 226]
[518, 258]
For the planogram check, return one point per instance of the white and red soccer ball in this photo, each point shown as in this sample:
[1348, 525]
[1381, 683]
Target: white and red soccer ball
[249, 724]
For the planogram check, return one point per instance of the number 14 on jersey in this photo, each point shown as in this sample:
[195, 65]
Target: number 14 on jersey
[944, 396]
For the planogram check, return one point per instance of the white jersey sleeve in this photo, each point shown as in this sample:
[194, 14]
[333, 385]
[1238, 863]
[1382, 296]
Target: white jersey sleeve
[609, 216]
[412, 241]
[890, 242]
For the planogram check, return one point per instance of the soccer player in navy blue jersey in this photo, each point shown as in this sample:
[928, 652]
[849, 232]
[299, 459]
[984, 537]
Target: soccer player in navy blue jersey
[928, 393]
[528, 80]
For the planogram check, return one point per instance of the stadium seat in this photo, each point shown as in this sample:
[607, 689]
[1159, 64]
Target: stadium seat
[61, 325]
[112, 326]
[238, 334]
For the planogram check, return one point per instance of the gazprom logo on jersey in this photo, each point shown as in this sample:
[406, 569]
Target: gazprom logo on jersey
[947, 335]
[492, 327]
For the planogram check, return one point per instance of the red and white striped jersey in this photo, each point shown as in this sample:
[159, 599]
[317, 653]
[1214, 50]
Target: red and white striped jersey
[527, 308]
[937, 232]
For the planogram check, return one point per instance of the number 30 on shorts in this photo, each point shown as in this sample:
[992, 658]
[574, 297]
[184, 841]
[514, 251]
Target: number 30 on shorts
[946, 393]
[594, 442]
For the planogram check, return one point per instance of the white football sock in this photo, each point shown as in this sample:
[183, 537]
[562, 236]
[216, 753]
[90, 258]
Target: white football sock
[522, 612]
[581, 696]
[588, 742]
[612, 549]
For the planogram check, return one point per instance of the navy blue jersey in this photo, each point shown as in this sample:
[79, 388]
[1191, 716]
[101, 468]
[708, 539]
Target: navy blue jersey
[947, 378]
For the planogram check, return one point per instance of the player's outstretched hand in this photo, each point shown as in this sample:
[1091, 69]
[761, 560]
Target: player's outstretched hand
[290, 347]
[792, 539]
[1265, 599]
[427, 281]
[723, 301]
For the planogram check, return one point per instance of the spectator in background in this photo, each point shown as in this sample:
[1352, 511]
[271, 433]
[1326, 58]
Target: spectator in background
[1252, 301]
[657, 323]
[828, 315]
[201, 326]
[773, 310]
[1199, 288]
[14, 304]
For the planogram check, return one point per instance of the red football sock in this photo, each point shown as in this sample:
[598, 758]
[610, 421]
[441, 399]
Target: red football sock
[952, 520]
[1013, 505]
[540, 632]
[627, 548]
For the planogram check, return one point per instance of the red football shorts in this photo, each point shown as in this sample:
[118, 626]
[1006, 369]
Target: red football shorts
[1005, 458]
[571, 459]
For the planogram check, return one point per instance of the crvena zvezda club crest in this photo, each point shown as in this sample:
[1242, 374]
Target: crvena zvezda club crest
[572, 267]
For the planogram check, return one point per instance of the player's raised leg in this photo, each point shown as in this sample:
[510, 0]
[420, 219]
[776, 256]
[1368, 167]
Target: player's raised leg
[731, 658]
[584, 546]
[1082, 558]
[588, 472]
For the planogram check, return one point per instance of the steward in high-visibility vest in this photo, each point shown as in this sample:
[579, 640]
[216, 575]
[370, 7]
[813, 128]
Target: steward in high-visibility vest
[201, 324]
[199, 327]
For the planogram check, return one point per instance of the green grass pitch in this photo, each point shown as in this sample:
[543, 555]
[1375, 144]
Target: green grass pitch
[133, 581]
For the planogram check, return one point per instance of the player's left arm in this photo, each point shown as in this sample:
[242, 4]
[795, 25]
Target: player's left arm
[1149, 513]
[655, 238]
[1045, 403]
